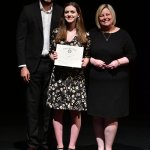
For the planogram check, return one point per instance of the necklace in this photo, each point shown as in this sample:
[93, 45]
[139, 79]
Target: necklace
[106, 36]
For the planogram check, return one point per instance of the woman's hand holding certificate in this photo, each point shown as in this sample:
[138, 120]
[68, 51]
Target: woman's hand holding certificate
[70, 56]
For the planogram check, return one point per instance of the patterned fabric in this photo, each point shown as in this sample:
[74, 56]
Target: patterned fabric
[67, 90]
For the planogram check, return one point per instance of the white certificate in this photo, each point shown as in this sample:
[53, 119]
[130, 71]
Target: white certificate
[70, 56]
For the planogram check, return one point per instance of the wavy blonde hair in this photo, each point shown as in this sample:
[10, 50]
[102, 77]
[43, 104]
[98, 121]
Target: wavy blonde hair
[99, 11]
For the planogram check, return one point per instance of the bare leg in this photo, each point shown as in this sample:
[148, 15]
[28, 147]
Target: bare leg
[75, 128]
[99, 132]
[58, 127]
[111, 126]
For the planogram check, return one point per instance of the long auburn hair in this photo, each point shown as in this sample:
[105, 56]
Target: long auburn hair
[80, 28]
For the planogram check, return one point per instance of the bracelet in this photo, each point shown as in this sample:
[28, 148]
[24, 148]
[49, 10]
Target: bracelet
[118, 62]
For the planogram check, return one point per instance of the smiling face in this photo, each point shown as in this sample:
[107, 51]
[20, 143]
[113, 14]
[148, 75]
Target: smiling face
[70, 14]
[106, 18]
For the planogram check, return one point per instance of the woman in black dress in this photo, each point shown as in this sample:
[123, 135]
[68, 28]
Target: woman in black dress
[67, 89]
[112, 50]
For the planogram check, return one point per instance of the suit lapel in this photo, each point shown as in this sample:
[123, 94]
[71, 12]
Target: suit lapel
[38, 16]
[54, 18]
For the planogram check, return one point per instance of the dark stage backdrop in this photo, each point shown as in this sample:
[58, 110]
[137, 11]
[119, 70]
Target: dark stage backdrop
[132, 17]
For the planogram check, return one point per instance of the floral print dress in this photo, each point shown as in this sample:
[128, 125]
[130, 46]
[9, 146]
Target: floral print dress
[67, 89]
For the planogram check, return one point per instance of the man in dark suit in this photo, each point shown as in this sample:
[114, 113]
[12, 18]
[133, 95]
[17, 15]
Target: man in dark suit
[36, 22]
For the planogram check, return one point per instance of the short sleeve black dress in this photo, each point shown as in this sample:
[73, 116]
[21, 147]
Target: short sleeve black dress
[108, 90]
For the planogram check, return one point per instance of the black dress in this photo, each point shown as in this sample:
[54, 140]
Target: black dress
[108, 90]
[67, 89]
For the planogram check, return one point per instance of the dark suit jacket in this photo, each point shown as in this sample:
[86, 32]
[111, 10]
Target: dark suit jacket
[29, 37]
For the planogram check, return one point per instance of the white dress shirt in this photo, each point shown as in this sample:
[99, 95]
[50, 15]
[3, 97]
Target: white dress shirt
[46, 21]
